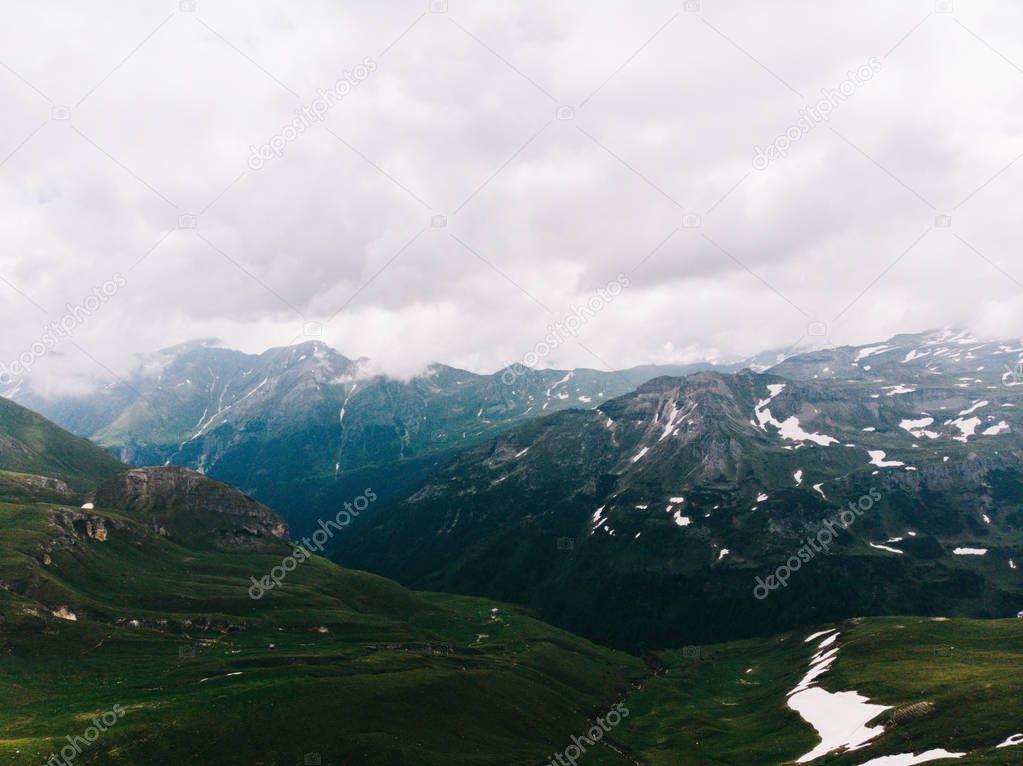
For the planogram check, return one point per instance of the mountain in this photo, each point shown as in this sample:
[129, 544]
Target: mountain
[136, 628]
[158, 616]
[953, 356]
[30, 444]
[305, 429]
[655, 519]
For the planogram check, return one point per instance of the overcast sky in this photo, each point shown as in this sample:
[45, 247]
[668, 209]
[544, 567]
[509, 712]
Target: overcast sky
[565, 143]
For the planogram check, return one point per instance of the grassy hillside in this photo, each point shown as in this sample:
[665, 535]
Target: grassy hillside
[98, 609]
[726, 703]
[29, 443]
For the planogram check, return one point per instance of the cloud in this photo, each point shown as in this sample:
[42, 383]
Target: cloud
[561, 145]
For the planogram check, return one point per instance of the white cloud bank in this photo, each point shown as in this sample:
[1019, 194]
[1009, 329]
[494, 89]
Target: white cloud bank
[564, 144]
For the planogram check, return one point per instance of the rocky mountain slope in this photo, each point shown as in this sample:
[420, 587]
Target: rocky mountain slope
[648, 521]
[191, 508]
[303, 428]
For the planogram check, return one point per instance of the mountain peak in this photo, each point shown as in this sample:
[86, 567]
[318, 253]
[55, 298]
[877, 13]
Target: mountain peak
[179, 349]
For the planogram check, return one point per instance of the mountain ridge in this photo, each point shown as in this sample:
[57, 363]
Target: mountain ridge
[303, 428]
[136, 602]
[671, 499]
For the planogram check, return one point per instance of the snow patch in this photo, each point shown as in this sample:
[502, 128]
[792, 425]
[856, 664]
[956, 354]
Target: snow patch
[1015, 739]
[840, 718]
[886, 548]
[818, 635]
[877, 458]
[976, 406]
[791, 430]
[967, 428]
[1001, 428]
[763, 415]
[909, 759]
[640, 454]
[871, 351]
[675, 419]
[918, 427]
[900, 389]
[565, 379]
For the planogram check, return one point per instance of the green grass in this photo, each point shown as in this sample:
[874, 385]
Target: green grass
[333, 662]
[30, 443]
[358, 669]
[715, 712]
[710, 710]
[972, 671]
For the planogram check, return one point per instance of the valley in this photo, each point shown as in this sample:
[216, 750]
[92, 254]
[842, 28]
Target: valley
[589, 560]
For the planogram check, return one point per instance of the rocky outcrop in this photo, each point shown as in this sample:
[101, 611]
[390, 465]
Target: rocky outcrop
[27, 487]
[73, 527]
[48, 483]
[188, 507]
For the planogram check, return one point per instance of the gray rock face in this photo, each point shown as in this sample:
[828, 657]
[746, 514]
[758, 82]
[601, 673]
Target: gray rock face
[187, 506]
